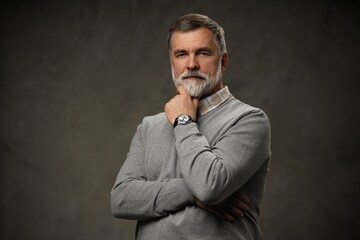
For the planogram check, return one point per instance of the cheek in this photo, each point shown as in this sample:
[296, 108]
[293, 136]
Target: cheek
[209, 69]
[177, 69]
[214, 67]
[175, 73]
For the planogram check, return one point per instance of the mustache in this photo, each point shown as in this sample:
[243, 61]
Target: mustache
[193, 73]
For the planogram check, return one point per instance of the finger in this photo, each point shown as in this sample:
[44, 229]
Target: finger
[182, 91]
[195, 101]
[242, 206]
[222, 214]
[218, 211]
[244, 198]
[241, 196]
[232, 210]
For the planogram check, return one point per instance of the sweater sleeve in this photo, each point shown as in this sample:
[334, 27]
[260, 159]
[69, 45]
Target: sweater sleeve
[134, 197]
[212, 173]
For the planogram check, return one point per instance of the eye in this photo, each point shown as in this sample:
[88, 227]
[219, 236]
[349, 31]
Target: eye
[205, 53]
[180, 54]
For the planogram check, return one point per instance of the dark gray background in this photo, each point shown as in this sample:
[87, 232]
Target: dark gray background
[78, 76]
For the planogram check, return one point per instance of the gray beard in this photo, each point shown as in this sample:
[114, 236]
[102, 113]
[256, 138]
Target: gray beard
[199, 87]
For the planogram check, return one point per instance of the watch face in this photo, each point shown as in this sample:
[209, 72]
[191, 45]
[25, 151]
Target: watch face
[183, 118]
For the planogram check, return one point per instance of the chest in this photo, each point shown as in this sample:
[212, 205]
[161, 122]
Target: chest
[161, 157]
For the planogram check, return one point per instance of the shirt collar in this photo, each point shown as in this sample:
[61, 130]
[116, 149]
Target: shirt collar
[213, 101]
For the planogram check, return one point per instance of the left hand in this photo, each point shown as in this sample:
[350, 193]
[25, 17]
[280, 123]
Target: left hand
[229, 209]
[182, 103]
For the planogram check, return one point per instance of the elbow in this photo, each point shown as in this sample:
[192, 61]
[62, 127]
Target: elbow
[116, 204]
[211, 189]
[116, 213]
[115, 210]
[114, 207]
[210, 196]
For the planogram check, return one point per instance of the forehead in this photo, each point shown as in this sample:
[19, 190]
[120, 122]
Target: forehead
[198, 38]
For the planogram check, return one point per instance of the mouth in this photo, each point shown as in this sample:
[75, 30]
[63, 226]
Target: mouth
[193, 78]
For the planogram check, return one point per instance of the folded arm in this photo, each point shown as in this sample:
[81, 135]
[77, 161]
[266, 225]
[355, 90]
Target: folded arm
[213, 173]
[134, 197]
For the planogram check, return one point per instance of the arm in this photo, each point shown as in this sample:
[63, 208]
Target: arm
[133, 197]
[232, 207]
[213, 173]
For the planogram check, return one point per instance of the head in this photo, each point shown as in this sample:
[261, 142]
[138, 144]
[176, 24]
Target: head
[198, 55]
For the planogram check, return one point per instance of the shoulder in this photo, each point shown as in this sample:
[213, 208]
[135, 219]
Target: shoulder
[248, 118]
[239, 109]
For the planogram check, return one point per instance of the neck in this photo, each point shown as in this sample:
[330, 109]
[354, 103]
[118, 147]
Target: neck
[217, 87]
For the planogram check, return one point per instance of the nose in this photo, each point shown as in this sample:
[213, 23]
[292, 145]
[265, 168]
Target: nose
[192, 63]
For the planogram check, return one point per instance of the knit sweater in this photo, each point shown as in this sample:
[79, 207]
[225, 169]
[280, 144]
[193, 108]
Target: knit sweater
[225, 151]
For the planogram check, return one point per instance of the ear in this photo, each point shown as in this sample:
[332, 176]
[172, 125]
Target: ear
[224, 61]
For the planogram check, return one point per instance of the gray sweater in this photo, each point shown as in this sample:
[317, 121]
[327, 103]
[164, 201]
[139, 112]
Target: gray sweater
[226, 150]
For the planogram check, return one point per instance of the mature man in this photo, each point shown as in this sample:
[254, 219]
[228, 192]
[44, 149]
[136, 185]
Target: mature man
[192, 169]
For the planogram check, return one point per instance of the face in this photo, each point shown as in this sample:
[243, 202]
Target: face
[196, 62]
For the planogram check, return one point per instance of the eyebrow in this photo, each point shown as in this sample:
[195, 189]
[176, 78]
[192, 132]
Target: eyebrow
[204, 49]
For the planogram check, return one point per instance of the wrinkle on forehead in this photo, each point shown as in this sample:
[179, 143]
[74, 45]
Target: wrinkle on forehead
[193, 40]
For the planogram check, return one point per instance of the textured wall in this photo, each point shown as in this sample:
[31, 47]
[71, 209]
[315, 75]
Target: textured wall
[78, 77]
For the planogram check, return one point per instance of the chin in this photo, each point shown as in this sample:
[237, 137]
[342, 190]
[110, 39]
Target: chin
[194, 91]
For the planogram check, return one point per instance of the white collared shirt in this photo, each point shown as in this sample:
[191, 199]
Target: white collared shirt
[213, 101]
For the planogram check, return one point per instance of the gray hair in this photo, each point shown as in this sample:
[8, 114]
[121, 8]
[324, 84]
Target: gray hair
[193, 21]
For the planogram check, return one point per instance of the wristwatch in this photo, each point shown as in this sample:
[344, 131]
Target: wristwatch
[183, 119]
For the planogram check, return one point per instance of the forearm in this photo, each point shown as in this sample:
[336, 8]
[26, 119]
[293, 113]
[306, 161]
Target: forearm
[140, 199]
[135, 197]
[205, 175]
[214, 173]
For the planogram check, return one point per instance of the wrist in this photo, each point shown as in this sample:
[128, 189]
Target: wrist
[182, 119]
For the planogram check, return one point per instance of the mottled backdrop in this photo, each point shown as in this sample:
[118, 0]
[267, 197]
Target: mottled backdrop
[77, 77]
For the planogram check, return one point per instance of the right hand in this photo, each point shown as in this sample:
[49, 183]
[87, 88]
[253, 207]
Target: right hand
[182, 103]
[232, 207]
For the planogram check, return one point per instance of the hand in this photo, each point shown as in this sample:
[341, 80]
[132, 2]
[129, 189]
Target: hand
[232, 207]
[182, 103]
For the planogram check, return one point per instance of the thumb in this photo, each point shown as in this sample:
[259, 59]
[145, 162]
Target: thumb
[182, 91]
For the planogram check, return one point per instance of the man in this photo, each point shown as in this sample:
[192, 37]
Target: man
[192, 169]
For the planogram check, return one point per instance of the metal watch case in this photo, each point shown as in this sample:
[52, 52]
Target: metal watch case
[183, 119]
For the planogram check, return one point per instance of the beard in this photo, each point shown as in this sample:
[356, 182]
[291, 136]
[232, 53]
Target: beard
[199, 87]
